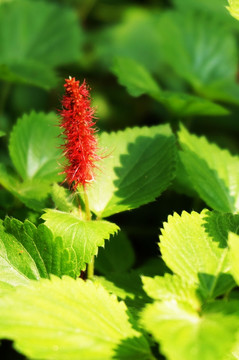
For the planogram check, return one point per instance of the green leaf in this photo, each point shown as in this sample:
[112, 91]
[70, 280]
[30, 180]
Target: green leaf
[70, 319]
[140, 165]
[194, 246]
[234, 8]
[135, 77]
[117, 256]
[29, 72]
[206, 52]
[29, 56]
[216, 8]
[63, 198]
[34, 147]
[208, 335]
[135, 37]
[139, 81]
[171, 287]
[213, 172]
[233, 241]
[126, 286]
[182, 104]
[25, 191]
[28, 252]
[84, 237]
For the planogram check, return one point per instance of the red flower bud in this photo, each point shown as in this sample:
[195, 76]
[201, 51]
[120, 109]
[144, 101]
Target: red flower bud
[80, 146]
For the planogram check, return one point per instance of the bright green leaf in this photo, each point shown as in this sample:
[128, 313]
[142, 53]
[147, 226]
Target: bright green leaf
[70, 319]
[84, 237]
[234, 254]
[34, 147]
[213, 172]
[139, 166]
[234, 8]
[28, 252]
[117, 255]
[171, 287]
[126, 286]
[184, 334]
[194, 246]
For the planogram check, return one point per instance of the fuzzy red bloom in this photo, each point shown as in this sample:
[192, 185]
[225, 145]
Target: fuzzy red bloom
[80, 147]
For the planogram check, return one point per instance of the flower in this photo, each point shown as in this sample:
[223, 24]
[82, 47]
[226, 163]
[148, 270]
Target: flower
[80, 146]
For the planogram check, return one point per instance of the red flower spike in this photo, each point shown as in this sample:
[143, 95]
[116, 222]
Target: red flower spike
[80, 147]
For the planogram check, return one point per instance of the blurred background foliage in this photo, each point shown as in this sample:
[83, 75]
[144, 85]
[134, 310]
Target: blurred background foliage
[147, 62]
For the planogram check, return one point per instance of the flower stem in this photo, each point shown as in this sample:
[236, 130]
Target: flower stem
[87, 206]
[90, 266]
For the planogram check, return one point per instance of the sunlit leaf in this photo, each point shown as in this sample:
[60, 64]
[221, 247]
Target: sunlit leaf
[194, 246]
[138, 167]
[70, 319]
[84, 237]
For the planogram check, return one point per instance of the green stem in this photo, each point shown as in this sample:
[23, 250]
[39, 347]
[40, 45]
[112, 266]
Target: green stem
[87, 206]
[90, 266]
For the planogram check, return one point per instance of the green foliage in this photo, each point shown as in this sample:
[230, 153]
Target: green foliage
[134, 37]
[34, 151]
[30, 56]
[34, 147]
[70, 319]
[28, 252]
[176, 298]
[83, 237]
[138, 166]
[206, 53]
[234, 8]
[210, 335]
[139, 81]
[118, 255]
[194, 246]
[213, 172]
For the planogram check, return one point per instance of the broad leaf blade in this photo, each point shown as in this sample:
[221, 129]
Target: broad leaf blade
[208, 335]
[134, 37]
[171, 287]
[34, 147]
[25, 191]
[213, 172]
[68, 319]
[234, 8]
[140, 165]
[195, 247]
[206, 51]
[28, 253]
[29, 56]
[139, 81]
[84, 237]
[135, 77]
